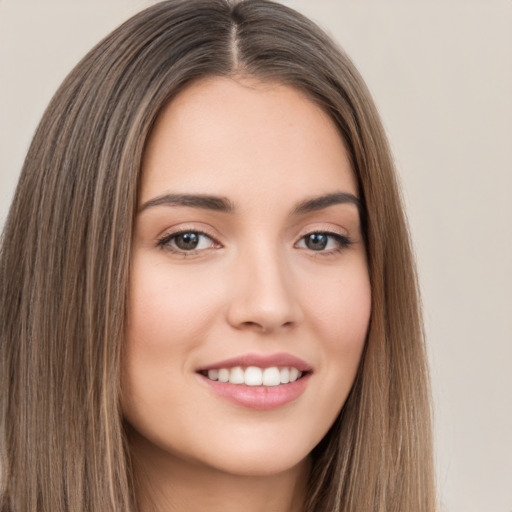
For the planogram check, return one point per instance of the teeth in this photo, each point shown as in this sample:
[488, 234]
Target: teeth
[294, 374]
[223, 375]
[271, 377]
[236, 375]
[213, 374]
[254, 376]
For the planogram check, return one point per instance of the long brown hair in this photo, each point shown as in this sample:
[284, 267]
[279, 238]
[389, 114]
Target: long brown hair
[64, 266]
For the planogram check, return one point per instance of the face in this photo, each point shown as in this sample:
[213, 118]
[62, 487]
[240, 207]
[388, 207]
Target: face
[249, 296]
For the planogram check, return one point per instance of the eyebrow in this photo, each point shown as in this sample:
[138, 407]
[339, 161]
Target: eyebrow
[223, 204]
[206, 202]
[321, 202]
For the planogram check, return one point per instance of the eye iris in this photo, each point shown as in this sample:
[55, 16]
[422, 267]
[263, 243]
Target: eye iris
[187, 241]
[317, 241]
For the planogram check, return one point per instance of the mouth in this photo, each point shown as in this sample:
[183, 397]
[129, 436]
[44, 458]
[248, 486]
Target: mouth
[255, 375]
[258, 381]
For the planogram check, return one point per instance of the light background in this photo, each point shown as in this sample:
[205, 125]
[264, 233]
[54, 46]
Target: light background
[441, 75]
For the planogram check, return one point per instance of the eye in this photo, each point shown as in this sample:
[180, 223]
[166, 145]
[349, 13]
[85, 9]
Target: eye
[187, 241]
[326, 242]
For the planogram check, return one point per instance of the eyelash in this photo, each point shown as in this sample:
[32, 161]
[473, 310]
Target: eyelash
[165, 242]
[342, 242]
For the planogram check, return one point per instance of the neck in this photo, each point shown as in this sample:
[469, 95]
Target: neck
[165, 483]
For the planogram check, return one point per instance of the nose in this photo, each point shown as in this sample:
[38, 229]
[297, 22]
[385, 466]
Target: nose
[263, 293]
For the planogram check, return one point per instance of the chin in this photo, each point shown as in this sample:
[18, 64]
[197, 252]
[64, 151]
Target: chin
[256, 452]
[251, 464]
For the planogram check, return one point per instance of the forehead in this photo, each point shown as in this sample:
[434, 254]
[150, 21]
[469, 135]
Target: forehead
[244, 139]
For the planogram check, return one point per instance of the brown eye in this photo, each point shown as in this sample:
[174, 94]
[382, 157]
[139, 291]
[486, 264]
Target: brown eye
[316, 241]
[324, 242]
[187, 241]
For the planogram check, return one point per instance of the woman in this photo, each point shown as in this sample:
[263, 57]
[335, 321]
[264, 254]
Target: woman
[208, 296]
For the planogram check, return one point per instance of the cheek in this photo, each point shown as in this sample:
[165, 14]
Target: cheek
[169, 315]
[168, 309]
[339, 314]
[340, 309]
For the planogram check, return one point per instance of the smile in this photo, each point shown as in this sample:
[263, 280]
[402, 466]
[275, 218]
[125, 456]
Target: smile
[258, 381]
[254, 375]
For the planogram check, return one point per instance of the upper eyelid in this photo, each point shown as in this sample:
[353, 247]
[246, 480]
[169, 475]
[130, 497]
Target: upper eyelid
[295, 231]
[188, 229]
[194, 228]
[340, 238]
[202, 231]
[328, 228]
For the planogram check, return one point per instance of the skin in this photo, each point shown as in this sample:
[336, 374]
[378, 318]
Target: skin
[253, 286]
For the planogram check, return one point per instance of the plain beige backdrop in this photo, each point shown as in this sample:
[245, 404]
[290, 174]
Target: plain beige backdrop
[441, 75]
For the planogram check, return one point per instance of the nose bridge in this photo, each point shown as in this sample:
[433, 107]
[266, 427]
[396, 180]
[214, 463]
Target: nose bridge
[263, 292]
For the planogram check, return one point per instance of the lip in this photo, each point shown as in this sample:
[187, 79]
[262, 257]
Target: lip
[261, 398]
[260, 360]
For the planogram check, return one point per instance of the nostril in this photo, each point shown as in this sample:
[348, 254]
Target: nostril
[264, 327]
[253, 325]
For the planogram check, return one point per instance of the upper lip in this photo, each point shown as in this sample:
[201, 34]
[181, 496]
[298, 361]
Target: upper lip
[261, 361]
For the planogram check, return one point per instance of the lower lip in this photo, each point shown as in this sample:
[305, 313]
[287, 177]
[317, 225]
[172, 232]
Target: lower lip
[262, 398]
